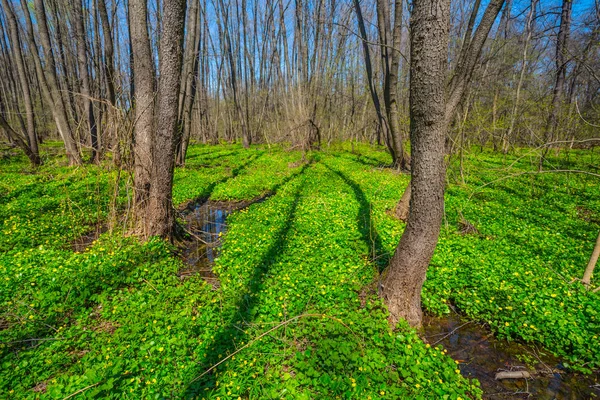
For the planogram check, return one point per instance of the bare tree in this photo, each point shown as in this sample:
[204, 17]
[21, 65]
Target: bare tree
[32, 140]
[561, 60]
[406, 273]
[430, 113]
[143, 96]
[47, 78]
[160, 220]
[84, 78]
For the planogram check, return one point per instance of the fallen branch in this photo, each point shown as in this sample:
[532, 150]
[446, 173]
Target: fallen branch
[284, 323]
[81, 390]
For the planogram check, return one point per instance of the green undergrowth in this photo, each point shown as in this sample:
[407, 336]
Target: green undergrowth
[536, 234]
[296, 312]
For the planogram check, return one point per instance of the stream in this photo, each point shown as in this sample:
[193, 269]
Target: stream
[480, 354]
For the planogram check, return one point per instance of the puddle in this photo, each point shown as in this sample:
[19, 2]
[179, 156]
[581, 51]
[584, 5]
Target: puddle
[481, 356]
[206, 223]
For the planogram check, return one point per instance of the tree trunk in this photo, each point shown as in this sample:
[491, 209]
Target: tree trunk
[513, 117]
[160, 211]
[562, 54]
[406, 272]
[144, 77]
[48, 80]
[382, 125]
[470, 52]
[84, 78]
[22, 72]
[587, 276]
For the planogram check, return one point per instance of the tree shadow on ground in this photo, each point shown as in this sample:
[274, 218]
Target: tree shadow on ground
[208, 159]
[206, 193]
[367, 161]
[367, 228]
[226, 340]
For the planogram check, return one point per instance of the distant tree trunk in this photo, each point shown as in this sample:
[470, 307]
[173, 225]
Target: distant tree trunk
[15, 138]
[47, 79]
[23, 79]
[109, 73]
[561, 60]
[160, 211]
[109, 63]
[382, 125]
[144, 83]
[429, 48]
[84, 78]
[188, 82]
[587, 276]
[513, 117]
[390, 50]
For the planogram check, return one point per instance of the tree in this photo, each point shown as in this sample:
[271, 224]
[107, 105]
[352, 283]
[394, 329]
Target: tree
[84, 78]
[160, 220]
[429, 46]
[561, 59]
[143, 98]
[431, 111]
[47, 78]
[390, 40]
[32, 140]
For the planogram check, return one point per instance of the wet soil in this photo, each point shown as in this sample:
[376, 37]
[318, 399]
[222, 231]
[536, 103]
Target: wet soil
[481, 356]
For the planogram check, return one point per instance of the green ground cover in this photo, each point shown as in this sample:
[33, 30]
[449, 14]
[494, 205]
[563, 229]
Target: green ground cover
[116, 321]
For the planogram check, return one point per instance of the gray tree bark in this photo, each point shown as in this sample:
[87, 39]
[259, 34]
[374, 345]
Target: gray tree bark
[48, 80]
[144, 84]
[84, 78]
[24, 82]
[561, 60]
[429, 48]
[160, 211]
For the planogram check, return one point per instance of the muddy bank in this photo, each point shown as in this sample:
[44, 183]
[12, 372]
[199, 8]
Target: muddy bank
[481, 356]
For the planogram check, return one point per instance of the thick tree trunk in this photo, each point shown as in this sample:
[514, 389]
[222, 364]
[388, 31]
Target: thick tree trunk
[23, 80]
[144, 77]
[160, 210]
[406, 272]
[470, 51]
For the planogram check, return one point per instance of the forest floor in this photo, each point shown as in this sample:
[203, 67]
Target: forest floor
[290, 308]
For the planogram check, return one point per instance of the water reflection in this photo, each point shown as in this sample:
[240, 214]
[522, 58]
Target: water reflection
[206, 223]
[481, 355]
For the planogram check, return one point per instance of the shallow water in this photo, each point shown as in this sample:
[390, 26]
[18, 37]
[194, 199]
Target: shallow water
[206, 223]
[481, 355]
